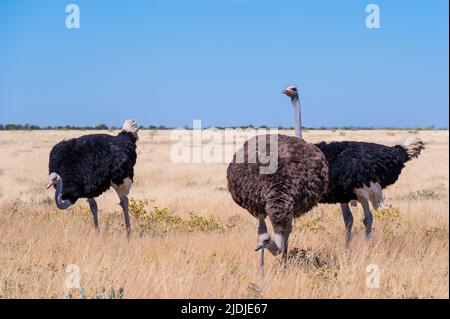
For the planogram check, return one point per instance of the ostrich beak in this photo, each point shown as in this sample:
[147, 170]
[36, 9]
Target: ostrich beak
[288, 92]
[50, 184]
[258, 247]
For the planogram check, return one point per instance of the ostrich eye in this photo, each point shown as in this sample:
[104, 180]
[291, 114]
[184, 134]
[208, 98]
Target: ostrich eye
[294, 89]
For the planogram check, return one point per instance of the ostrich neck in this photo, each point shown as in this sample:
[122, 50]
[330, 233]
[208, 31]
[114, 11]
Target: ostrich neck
[60, 203]
[298, 117]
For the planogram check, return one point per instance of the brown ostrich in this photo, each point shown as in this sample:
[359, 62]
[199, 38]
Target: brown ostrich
[297, 184]
[359, 171]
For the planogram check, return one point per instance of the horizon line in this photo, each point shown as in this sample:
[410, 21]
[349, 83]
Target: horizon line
[104, 127]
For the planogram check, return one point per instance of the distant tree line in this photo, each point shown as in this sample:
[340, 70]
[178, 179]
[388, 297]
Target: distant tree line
[31, 127]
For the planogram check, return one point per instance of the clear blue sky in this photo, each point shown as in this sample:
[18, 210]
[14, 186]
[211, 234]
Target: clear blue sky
[224, 62]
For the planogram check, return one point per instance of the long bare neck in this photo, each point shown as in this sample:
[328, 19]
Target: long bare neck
[60, 203]
[298, 117]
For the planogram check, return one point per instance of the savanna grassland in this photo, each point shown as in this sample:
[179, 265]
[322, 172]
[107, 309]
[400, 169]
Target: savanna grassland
[190, 240]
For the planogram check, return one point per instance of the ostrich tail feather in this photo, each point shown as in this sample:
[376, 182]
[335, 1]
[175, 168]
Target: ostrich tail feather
[413, 146]
[130, 126]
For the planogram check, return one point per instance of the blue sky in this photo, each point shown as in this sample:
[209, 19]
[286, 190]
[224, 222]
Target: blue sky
[224, 62]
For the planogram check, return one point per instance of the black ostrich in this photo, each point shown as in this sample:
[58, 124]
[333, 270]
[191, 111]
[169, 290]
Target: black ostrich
[295, 186]
[87, 166]
[358, 172]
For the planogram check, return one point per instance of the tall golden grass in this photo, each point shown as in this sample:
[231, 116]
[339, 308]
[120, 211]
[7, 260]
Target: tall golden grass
[178, 251]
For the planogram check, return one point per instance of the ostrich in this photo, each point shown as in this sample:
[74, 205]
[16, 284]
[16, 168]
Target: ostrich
[299, 181]
[358, 171]
[87, 166]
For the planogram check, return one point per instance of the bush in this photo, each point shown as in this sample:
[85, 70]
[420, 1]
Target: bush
[313, 225]
[421, 195]
[137, 207]
[160, 220]
[199, 223]
[436, 232]
[390, 213]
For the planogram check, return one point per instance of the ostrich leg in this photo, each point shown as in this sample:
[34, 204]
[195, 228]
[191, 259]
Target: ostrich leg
[286, 240]
[348, 220]
[124, 204]
[262, 240]
[368, 218]
[94, 210]
[123, 190]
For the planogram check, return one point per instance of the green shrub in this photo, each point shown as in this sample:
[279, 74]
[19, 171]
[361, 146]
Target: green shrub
[199, 223]
[389, 213]
[160, 220]
[313, 225]
[137, 207]
[161, 215]
[436, 232]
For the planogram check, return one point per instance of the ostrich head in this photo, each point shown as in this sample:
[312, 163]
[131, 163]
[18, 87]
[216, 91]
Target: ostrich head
[291, 91]
[263, 241]
[274, 246]
[56, 181]
[53, 179]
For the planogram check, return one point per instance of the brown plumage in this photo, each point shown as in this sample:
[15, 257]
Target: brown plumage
[359, 171]
[298, 184]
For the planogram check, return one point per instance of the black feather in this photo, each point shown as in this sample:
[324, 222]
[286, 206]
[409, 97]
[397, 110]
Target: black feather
[88, 164]
[355, 164]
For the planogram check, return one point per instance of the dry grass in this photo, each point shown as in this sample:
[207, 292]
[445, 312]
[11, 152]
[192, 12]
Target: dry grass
[214, 257]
